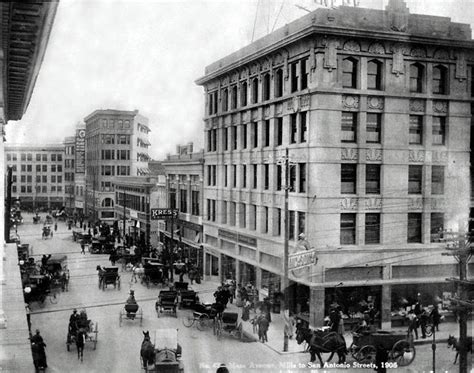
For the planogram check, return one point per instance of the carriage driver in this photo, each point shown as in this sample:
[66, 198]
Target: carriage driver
[131, 306]
[73, 319]
[131, 298]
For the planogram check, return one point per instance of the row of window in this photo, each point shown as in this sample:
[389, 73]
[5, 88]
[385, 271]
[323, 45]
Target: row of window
[348, 228]
[69, 163]
[39, 157]
[109, 170]
[183, 201]
[39, 168]
[69, 176]
[38, 189]
[120, 139]
[39, 179]
[115, 123]
[299, 81]
[108, 154]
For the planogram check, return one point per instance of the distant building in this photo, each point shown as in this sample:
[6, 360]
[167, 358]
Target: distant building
[69, 173]
[37, 175]
[116, 145]
[374, 107]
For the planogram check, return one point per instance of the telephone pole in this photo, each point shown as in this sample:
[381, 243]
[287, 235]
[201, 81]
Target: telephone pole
[459, 246]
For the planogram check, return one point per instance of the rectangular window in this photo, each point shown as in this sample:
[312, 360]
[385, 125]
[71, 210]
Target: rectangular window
[123, 155]
[44, 178]
[29, 189]
[348, 229]
[292, 224]
[266, 176]
[293, 128]
[254, 134]
[53, 168]
[172, 197]
[108, 154]
[255, 90]
[416, 129]
[60, 168]
[23, 157]
[29, 178]
[243, 94]
[348, 178]
[437, 226]
[374, 125]
[234, 176]
[415, 177]
[301, 223]
[53, 178]
[38, 157]
[123, 139]
[243, 215]
[279, 131]
[9, 157]
[107, 170]
[23, 168]
[265, 219]
[234, 137]
[244, 136]
[183, 200]
[255, 176]
[60, 179]
[414, 228]
[244, 176]
[23, 189]
[38, 178]
[437, 180]
[372, 228]
[303, 126]
[277, 222]
[224, 212]
[266, 133]
[225, 139]
[304, 73]
[107, 139]
[279, 176]
[38, 168]
[195, 202]
[252, 217]
[29, 157]
[302, 177]
[232, 212]
[29, 168]
[349, 127]
[225, 176]
[372, 179]
[292, 180]
[44, 168]
[294, 76]
[123, 170]
[439, 130]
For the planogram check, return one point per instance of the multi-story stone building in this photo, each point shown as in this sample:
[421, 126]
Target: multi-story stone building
[37, 175]
[80, 169]
[69, 174]
[183, 190]
[116, 145]
[374, 107]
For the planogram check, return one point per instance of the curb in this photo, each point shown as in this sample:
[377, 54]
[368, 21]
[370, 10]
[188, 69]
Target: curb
[253, 338]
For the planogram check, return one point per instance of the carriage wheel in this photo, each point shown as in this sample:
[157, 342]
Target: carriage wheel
[403, 353]
[54, 298]
[366, 354]
[203, 322]
[188, 321]
[429, 330]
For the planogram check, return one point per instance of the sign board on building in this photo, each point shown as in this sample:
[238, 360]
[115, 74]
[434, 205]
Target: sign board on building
[134, 214]
[79, 204]
[80, 151]
[250, 241]
[157, 214]
[334, 3]
[302, 259]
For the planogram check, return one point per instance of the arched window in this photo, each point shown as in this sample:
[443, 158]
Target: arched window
[225, 99]
[107, 202]
[278, 83]
[243, 94]
[416, 77]
[374, 75]
[440, 74]
[349, 73]
[254, 90]
[266, 87]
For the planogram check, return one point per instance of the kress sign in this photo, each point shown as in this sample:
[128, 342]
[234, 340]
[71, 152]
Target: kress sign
[302, 259]
[334, 3]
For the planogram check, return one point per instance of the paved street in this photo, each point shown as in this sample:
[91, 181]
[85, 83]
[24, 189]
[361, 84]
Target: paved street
[118, 347]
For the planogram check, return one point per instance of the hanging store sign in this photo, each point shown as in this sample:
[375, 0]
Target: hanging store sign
[302, 259]
[80, 151]
[158, 214]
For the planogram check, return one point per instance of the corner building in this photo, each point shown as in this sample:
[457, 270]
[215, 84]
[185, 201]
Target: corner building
[374, 107]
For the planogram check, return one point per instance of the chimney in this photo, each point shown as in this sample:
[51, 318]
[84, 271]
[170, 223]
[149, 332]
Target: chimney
[178, 149]
[190, 147]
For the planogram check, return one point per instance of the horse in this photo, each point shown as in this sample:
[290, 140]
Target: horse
[147, 351]
[80, 342]
[455, 345]
[323, 342]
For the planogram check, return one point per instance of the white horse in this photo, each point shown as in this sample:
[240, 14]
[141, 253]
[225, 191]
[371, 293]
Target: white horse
[137, 273]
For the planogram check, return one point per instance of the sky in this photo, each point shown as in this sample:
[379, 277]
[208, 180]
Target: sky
[146, 55]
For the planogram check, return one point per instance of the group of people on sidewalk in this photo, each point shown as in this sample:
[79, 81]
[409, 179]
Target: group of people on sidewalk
[419, 317]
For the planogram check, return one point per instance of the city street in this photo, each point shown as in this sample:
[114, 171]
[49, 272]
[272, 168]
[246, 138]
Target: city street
[118, 348]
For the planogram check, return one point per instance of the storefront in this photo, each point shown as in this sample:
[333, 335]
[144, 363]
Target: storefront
[228, 267]
[247, 274]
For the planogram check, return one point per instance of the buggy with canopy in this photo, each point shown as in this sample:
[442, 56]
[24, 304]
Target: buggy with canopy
[167, 352]
[167, 301]
[108, 276]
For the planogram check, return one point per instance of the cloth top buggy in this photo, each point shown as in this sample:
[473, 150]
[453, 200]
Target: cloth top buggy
[37, 288]
[399, 346]
[57, 268]
[108, 276]
[167, 301]
[186, 296]
[167, 352]
[229, 323]
[153, 273]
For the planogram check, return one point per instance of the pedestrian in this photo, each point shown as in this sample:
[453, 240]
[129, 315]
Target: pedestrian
[435, 317]
[289, 323]
[55, 226]
[266, 306]
[28, 317]
[112, 258]
[38, 347]
[263, 325]
[246, 311]
[424, 318]
[340, 328]
[412, 324]
[83, 248]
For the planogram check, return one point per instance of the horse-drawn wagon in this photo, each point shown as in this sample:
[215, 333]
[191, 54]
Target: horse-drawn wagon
[37, 288]
[47, 232]
[131, 312]
[164, 354]
[84, 330]
[57, 268]
[229, 323]
[204, 315]
[399, 347]
[167, 301]
[186, 296]
[153, 273]
[108, 276]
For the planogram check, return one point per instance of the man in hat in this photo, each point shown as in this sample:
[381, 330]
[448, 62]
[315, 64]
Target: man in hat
[39, 354]
[131, 298]
[73, 322]
[131, 306]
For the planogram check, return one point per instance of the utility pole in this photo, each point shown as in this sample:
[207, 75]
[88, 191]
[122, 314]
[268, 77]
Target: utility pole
[8, 205]
[124, 202]
[460, 248]
[171, 252]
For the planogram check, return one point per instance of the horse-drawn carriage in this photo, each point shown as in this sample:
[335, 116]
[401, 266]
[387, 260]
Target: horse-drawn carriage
[37, 288]
[204, 315]
[167, 301]
[186, 296]
[47, 232]
[108, 276]
[131, 312]
[57, 268]
[164, 354]
[399, 347]
[36, 219]
[153, 273]
[229, 323]
[84, 328]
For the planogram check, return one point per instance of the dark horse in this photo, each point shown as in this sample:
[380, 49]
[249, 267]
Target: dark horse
[80, 342]
[455, 345]
[323, 342]
[147, 352]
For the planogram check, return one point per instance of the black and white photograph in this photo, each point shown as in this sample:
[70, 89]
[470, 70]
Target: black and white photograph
[236, 186]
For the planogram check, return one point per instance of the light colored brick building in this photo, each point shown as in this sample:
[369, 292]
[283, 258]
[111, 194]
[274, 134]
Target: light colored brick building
[374, 107]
